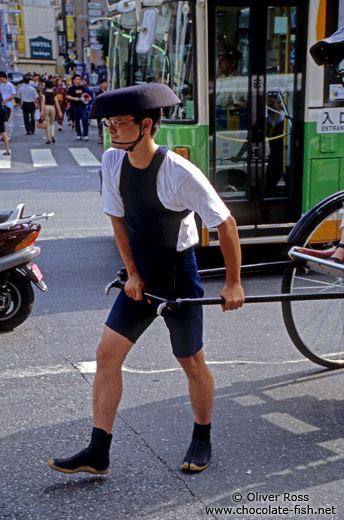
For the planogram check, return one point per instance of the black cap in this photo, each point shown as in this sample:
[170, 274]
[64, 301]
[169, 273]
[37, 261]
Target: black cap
[129, 100]
[229, 51]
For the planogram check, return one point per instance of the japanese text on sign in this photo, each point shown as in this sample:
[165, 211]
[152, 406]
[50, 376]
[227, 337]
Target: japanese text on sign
[330, 121]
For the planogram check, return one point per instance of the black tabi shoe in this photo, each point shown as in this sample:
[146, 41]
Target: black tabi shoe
[94, 459]
[84, 461]
[198, 456]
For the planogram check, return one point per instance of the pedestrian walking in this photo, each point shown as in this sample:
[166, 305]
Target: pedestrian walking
[78, 107]
[8, 92]
[29, 101]
[35, 79]
[61, 93]
[50, 107]
[102, 89]
[151, 194]
[3, 129]
[88, 98]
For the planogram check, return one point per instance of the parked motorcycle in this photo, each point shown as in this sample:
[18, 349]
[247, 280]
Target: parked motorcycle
[18, 235]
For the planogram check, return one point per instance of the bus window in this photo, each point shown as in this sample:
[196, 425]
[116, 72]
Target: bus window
[232, 84]
[170, 60]
[280, 58]
[334, 90]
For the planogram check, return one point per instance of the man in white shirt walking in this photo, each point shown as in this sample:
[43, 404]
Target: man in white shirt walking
[151, 194]
[29, 102]
[8, 92]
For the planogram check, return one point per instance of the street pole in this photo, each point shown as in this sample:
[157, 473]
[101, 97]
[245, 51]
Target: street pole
[85, 37]
[4, 37]
[64, 26]
[111, 71]
[83, 55]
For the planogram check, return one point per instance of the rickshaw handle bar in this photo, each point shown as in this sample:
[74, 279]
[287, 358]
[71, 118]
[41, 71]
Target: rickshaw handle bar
[265, 298]
[248, 268]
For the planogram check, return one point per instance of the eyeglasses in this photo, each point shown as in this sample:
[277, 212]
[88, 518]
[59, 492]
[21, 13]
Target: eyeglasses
[116, 122]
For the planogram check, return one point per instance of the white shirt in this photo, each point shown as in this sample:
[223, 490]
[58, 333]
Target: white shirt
[180, 185]
[27, 94]
[7, 90]
[231, 91]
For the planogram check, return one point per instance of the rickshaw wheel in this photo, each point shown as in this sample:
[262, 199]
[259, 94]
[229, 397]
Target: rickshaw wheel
[317, 327]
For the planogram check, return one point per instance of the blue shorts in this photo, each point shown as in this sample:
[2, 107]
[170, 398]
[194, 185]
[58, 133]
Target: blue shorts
[131, 318]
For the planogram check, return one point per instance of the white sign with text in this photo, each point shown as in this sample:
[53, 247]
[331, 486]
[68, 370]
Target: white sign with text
[330, 121]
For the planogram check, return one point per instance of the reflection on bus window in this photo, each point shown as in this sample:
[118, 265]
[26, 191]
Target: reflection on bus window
[280, 64]
[169, 61]
[232, 85]
[275, 134]
[333, 88]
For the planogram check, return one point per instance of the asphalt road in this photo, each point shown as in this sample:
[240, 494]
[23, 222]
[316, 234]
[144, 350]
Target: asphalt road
[277, 426]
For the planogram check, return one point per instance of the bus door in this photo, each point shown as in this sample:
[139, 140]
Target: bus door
[256, 158]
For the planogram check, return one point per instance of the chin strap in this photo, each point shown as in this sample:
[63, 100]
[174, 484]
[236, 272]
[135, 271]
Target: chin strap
[133, 143]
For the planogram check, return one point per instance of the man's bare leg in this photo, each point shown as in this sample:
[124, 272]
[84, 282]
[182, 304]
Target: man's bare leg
[107, 390]
[201, 390]
[107, 393]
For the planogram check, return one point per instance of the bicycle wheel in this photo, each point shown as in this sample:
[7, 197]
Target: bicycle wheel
[317, 327]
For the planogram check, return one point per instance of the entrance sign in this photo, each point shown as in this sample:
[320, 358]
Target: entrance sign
[330, 121]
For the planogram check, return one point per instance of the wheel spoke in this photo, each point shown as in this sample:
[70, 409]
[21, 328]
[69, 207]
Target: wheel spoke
[317, 327]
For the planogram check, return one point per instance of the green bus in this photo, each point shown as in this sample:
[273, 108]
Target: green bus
[258, 116]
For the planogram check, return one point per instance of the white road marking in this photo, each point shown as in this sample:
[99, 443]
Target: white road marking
[89, 367]
[5, 161]
[303, 388]
[84, 157]
[35, 371]
[334, 445]
[289, 422]
[248, 400]
[42, 158]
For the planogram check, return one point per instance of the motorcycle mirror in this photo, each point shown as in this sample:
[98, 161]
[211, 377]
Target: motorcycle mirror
[330, 51]
[147, 31]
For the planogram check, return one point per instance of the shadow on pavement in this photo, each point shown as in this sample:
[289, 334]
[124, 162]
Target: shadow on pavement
[281, 434]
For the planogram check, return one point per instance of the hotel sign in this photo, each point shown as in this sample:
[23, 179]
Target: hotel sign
[41, 48]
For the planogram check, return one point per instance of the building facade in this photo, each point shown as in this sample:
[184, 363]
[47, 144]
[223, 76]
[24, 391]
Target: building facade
[49, 36]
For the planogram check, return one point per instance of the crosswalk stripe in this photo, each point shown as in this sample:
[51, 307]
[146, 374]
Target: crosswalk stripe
[84, 157]
[42, 158]
[5, 161]
[289, 422]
